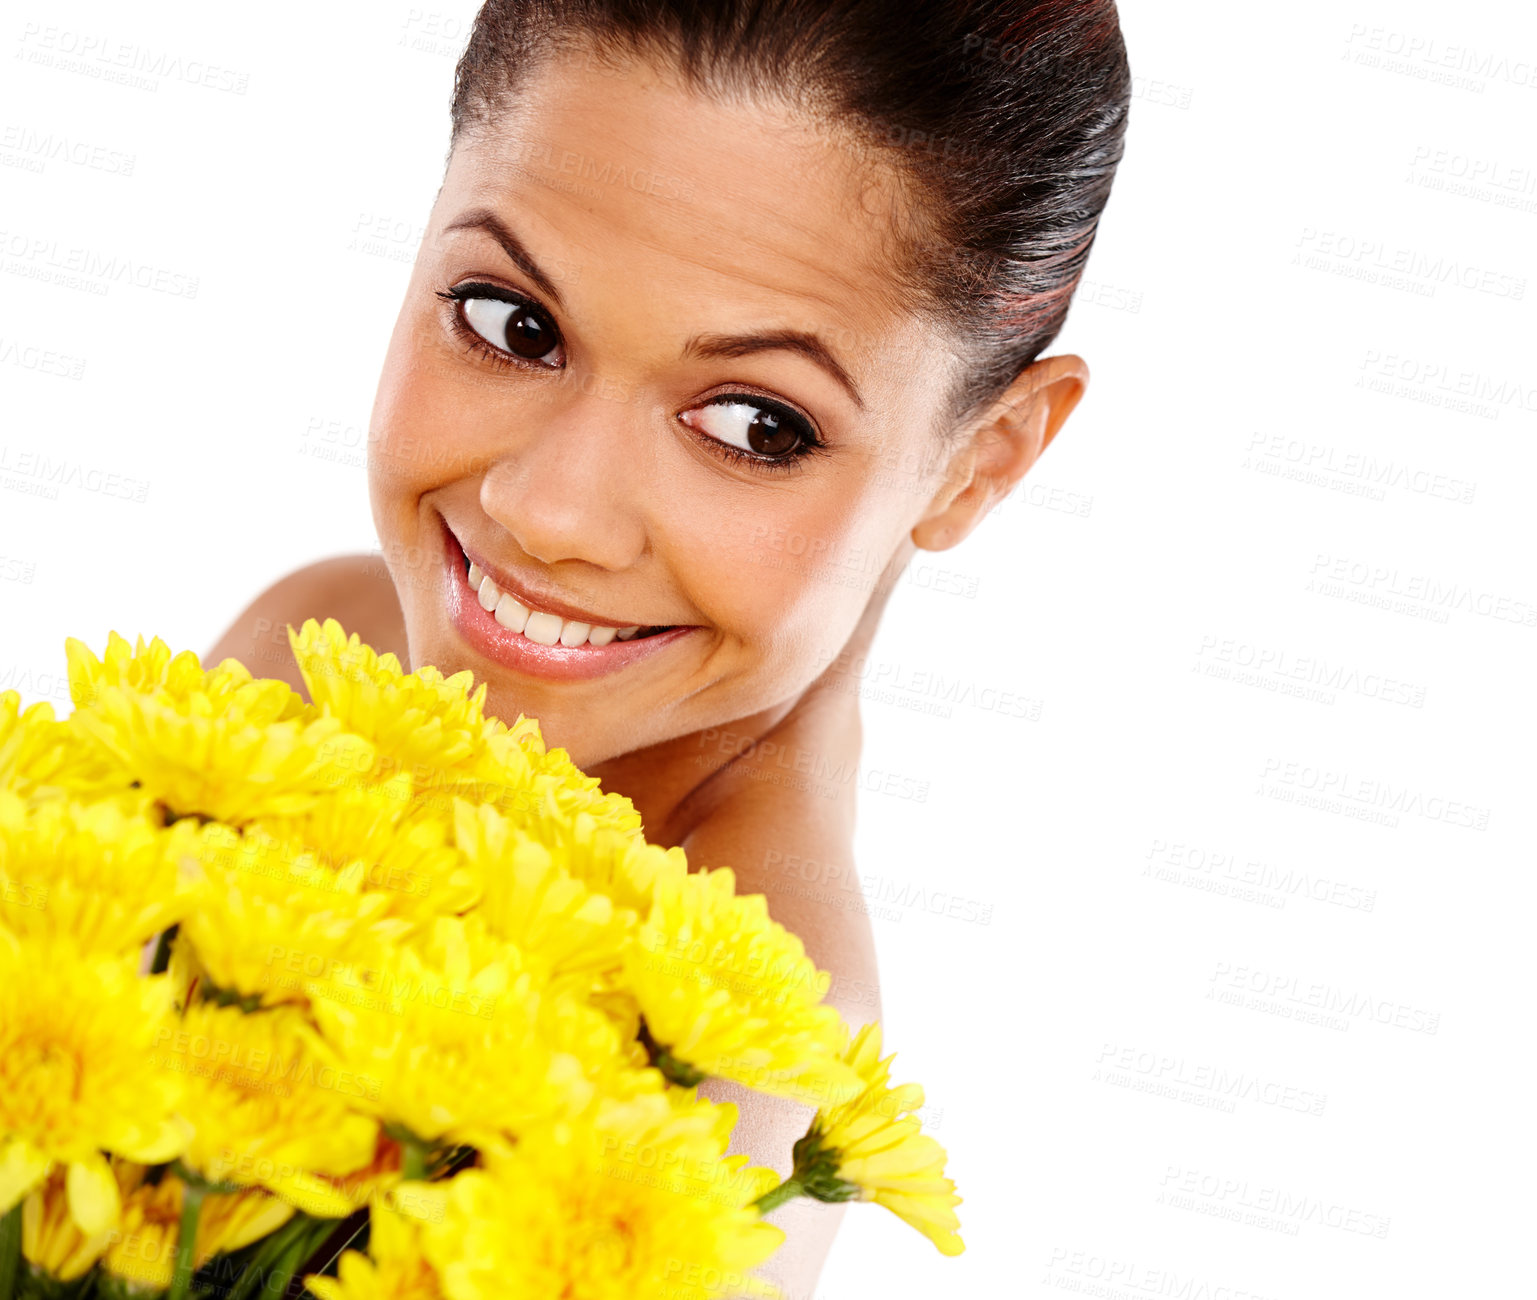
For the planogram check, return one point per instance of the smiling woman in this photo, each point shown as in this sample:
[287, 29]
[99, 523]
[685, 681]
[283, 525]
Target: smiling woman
[698, 277]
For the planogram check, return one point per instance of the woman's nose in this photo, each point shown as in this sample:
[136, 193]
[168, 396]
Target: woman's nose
[568, 488]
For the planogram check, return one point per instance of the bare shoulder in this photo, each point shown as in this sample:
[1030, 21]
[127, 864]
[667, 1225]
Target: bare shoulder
[356, 590]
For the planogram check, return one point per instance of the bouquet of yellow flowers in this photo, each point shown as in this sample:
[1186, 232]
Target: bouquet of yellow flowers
[277, 974]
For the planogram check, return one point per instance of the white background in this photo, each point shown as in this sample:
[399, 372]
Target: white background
[1267, 606]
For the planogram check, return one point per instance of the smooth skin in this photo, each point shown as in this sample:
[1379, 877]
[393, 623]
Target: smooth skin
[655, 216]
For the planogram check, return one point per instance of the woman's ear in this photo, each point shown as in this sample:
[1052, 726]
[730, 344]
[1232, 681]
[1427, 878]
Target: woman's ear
[1000, 446]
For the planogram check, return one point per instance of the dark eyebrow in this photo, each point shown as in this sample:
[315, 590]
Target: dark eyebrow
[485, 219]
[741, 345]
[701, 345]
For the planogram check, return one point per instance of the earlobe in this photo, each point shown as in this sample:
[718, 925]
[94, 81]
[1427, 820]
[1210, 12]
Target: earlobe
[1002, 446]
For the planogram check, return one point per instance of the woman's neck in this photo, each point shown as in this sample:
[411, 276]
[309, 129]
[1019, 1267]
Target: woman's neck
[677, 784]
[673, 783]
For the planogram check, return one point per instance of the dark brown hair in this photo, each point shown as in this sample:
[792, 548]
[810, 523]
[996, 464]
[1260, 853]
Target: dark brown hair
[1010, 116]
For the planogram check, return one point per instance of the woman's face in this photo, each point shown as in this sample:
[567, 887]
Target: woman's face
[652, 370]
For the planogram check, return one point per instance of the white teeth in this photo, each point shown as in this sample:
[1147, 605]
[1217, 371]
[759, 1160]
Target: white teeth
[545, 629]
[512, 612]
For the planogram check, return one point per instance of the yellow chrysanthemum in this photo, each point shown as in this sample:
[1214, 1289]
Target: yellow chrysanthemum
[873, 1145]
[396, 1266]
[435, 729]
[726, 991]
[377, 833]
[274, 922]
[274, 1107]
[465, 1042]
[43, 758]
[603, 857]
[219, 744]
[554, 774]
[422, 723]
[107, 879]
[76, 1074]
[141, 1250]
[403, 927]
[632, 1200]
[528, 898]
[51, 1241]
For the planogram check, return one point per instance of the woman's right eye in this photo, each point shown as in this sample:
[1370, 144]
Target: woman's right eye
[509, 324]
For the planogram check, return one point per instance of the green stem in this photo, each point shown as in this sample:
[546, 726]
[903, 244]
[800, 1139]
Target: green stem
[413, 1161]
[777, 1196]
[679, 1071]
[257, 1266]
[186, 1240]
[277, 1282]
[10, 1250]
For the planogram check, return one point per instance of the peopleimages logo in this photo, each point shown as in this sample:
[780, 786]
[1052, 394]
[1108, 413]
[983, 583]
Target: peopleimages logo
[1240, 660]
[1375, 583]
[1356, 473]
[109, 59]
[1384, 795]
[1437, 384]
[1108, 1278]
[1168, 1071]
[1296, 1207]
[1377, 260]
[37, 257]
[1293, 992]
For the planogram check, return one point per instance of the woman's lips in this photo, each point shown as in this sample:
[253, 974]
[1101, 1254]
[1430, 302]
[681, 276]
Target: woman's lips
[538, 642]
[525, 598]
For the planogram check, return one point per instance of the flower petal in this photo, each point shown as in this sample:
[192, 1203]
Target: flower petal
[22, 1167]
[94, 1202]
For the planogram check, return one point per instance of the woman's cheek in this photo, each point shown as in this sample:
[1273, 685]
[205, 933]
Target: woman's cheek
[401, 426]
[798, 580]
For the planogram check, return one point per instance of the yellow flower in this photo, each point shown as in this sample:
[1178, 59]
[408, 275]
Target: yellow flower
[573, 791]
[274, 1107]
[465, 1043]
[435, 728]
[395, 1268]
[376, 833]
[421, 723]
[611, 861]
[51, 1241]
[528, 897]
[142, 1248]
[107, 879]
[726, 991]
[274, 922]
[41, 757]
[219, 744]
[76, 1078]
[632, 1200]
[872, 1149]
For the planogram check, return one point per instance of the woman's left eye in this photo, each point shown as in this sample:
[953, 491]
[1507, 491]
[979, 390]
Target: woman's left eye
[508, 323]
[755, 427]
